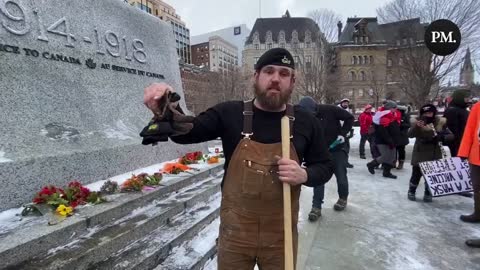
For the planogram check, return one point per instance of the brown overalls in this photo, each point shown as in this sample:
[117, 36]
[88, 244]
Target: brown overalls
[251, 228]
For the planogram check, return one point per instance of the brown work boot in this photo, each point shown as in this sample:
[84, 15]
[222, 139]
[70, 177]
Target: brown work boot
[475, 217]
[340, 205]
[315, 214]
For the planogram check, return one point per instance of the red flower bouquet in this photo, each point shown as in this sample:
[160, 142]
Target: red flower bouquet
[191, 158]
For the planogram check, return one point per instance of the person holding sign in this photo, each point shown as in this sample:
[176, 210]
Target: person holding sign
[470, 149]
[251, 211]
[429, 130]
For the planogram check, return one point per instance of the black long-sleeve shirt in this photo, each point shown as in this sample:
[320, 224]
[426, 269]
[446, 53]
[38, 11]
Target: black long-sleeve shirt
[225, 120]
[330, 117]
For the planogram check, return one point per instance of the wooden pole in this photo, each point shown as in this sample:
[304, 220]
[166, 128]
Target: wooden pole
[287, 200]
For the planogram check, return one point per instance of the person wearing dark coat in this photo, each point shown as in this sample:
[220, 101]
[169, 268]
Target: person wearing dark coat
[337, 123]
[404, 119]
[387, 137]
[457, 115]
[426, 146]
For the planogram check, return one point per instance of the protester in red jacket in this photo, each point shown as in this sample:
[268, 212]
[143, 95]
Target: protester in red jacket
[366, 120]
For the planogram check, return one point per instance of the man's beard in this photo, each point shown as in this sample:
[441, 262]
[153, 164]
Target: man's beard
[272, 101]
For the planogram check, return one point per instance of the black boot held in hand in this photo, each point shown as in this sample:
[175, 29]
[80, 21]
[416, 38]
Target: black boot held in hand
[169, 121]
[387, 168]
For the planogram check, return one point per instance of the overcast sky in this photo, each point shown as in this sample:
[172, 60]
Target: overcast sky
[209, 15]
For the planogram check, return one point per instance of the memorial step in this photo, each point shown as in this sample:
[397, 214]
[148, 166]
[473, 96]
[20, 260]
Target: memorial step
[196, 253]
[111, 226]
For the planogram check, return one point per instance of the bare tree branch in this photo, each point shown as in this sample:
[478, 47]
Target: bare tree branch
[327, 21]
[423, 71]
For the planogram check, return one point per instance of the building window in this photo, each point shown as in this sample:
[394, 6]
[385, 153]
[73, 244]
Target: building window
[354, 60]
[360, 92]
[269, 36]
[307, 44]
[308, 61]
[360, 60]
[389, 62]
[282, 45]
[404, 41]
[350, 92]
[144, 8]
[365, 59]
[352, 76]
[366, 39]
[297, 60]
[412, 42]
[269, 45]
[281, 36]
[256, 47]
[371, 59]
[398, 42]
[363, 76]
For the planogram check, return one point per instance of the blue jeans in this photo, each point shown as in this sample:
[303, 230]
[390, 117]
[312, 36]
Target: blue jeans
[340, 158]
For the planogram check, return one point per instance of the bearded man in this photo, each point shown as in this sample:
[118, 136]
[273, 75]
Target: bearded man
[251, 230]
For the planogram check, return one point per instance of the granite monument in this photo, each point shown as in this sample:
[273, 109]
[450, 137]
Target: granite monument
[72, 74]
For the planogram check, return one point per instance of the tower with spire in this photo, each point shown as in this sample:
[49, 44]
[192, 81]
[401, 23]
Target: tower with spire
[467, 72]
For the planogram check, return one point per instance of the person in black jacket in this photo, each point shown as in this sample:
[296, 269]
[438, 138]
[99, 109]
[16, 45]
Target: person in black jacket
[330, 117]
[457, 115]
[387, 137]
[404, 141]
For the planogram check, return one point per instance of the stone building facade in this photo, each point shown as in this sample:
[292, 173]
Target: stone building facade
[302, 37]
[370, 59]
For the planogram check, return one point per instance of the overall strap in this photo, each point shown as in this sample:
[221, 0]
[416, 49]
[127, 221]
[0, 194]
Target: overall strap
[290, 114]
[247, 118]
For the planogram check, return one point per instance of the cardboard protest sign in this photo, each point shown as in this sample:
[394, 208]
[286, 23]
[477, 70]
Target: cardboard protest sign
[447, 176]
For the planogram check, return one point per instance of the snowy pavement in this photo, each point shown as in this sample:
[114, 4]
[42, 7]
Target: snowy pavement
[381, 229]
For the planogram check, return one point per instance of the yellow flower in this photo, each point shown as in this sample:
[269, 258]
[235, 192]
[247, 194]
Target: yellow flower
[64, 210]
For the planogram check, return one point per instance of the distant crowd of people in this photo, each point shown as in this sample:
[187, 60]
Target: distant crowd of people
[388, 131]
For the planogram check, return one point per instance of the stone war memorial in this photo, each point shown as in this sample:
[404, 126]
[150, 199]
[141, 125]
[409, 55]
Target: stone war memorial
[72, 80]
[72, 75]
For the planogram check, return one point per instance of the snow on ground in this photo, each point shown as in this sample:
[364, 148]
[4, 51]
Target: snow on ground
[382, 229]
[3, 158]
[9, 219]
